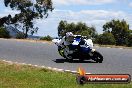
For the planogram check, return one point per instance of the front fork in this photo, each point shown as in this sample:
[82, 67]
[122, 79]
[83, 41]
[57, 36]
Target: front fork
[91, 53]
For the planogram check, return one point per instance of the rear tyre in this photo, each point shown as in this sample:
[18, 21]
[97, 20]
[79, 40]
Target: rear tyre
[97, 57]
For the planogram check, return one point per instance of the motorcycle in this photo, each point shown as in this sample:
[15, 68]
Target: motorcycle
[81, 50]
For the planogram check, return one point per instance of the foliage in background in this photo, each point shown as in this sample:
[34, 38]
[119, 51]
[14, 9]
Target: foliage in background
[106, 39]
[79, 29]
[20, 36]
[129, 39]
[115, 32]
[29, 11]
[119, 29]
[48, 38]
[4, 33]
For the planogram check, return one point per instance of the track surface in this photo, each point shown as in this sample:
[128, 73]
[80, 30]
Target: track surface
[115, 60]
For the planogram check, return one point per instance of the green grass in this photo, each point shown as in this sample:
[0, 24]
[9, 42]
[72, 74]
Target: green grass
[23, 76]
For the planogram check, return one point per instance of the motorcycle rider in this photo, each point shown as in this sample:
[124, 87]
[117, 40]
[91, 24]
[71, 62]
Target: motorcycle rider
[66, 42]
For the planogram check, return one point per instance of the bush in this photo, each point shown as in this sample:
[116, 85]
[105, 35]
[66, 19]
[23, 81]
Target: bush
[20, 36]
[106, 39]
[129, 40]
[48, 38]
[4, 33]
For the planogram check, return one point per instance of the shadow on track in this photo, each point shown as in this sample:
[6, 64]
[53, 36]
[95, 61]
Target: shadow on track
[72, 61]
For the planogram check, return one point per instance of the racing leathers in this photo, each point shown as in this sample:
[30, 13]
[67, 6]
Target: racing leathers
[65, 44]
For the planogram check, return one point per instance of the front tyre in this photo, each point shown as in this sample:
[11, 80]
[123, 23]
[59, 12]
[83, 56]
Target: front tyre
[97, 57]
[69, 58]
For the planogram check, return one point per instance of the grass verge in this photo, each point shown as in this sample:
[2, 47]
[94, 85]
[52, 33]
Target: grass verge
[24, 76]
[28, 40]
[113, 46]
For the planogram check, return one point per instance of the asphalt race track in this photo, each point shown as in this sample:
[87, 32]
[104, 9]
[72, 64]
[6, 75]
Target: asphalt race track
[116, 60]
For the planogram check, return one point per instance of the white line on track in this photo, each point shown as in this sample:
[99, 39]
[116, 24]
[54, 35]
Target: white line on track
[50, 68]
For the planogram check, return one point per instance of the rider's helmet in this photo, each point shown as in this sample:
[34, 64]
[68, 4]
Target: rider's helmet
[69, 36]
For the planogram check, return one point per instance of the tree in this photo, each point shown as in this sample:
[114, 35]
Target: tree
[106, 39]
[79, 29]
[29, 11]
[4, 33]
[129, 39]
[62, 28]
[82, 29]
[120, 30]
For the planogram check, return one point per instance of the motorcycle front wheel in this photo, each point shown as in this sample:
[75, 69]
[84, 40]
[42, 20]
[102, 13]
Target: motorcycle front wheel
[97, 57]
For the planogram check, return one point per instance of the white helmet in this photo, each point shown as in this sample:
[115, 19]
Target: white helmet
[68, 34]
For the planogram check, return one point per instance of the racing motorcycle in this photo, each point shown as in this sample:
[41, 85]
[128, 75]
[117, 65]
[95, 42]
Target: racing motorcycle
[81, 50]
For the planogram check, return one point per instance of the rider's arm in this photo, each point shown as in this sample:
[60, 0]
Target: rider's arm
[90, 43]
[62, 41]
